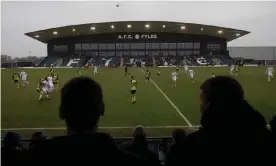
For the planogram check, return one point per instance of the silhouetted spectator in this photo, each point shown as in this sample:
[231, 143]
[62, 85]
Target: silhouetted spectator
[36, 139]
[272, 124]
[81, 107]
[231, 129]
[178, 149]
[139, 146]
[11, 151]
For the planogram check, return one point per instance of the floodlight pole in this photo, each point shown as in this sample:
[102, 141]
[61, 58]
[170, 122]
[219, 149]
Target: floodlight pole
[274, 53]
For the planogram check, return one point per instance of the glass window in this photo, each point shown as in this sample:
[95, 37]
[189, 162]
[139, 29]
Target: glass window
[180, 45]
[102, 46]
[119, 46]
[172, 45]
[165, 53]
[104, 54]
[94, 53]
[188, 52]
[86, 54]
[213, 46]
[94, 46]
[119, 54]
[172, 53]
[111, 46]
[196, 52]
[141, 53]
[196, 45]
[181, 53]
[126, 46]
[155, 53]
[77, 46]
[164, 45]
[137, 53]
[155, 45]
[125, 53]
[189, 45]
[78, 53]
[110, 54]
[85, 46]
[134, 53]
[137, 46]
[148, 46]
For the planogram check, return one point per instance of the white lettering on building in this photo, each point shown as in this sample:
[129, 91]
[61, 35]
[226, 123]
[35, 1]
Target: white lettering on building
[137, 36]
[60, 48]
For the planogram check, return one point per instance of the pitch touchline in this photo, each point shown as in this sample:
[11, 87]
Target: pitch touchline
[122, 127]
[174, 106]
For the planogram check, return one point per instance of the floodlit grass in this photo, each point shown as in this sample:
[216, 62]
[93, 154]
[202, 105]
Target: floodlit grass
[20, 108]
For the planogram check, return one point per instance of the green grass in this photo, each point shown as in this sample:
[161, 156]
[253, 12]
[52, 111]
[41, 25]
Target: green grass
[20, 108]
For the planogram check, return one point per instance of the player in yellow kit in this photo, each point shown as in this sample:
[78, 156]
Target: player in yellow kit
[55, 81]
[133, 86]
[15, 78]
[52, 70]
[78, 71]
[237, 70]
[147, 76]
[158, 71]
[177, 69]
[42, 89]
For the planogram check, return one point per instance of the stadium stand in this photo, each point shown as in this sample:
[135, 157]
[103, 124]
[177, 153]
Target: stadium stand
[113, 62]
[58, 63]
[49, 60]
[65, 61]
[216, 61]
[226, 60]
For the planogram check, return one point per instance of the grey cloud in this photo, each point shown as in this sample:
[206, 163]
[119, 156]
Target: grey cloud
[20, 17]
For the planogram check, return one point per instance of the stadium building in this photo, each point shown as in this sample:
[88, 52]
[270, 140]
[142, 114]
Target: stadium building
[136, 42]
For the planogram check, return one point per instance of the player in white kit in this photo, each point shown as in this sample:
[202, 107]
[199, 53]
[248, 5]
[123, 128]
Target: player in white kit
[45, 88]
[42, 88]
[174, 78]
[269, 72]
[50, 83]
[95, 70]
[232, 70]
[212, 75]
[23, 76]
[192, 74]
[186, 68]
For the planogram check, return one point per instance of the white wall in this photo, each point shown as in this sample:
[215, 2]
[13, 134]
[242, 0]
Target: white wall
[257, 53]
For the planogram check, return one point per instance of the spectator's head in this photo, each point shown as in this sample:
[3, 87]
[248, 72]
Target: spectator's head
[132, 77]
[272, 124]
[37, 138]
[81, 105]
[223, 108]
[221, 91]
[179, 136]
[139, 131]
[12, 140]
[139, 136]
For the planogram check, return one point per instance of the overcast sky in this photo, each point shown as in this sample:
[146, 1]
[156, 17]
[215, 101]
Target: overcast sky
[18, 18]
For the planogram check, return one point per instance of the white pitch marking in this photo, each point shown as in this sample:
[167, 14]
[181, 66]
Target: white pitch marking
[174, 106]
[119, 127]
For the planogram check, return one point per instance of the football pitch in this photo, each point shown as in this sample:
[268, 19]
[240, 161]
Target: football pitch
[159, 107]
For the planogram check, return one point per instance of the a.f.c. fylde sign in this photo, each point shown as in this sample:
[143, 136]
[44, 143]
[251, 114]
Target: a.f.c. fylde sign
[136, 36]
